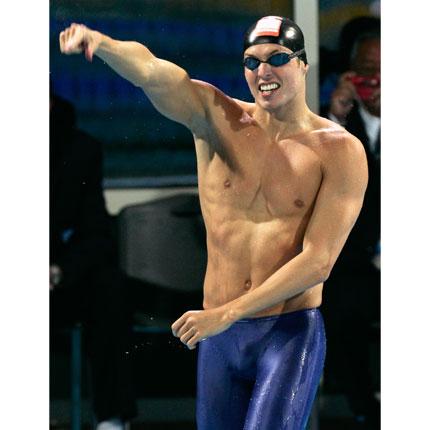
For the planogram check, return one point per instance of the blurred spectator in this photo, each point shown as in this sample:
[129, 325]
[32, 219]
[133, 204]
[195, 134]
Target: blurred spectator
[355, 103]
[85, 283]
[352, 293]
[333, 64]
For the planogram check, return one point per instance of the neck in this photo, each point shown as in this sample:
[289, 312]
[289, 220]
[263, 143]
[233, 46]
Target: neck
[292, 118]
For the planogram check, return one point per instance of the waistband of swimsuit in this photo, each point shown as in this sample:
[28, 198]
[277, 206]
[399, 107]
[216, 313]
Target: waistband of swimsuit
[279, 316]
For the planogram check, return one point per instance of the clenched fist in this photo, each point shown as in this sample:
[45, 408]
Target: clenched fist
[78, 38]
[195, 326]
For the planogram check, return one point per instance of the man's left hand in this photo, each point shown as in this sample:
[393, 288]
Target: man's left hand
[194, 326]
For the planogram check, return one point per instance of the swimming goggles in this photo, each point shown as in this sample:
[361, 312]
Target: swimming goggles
[275, 60]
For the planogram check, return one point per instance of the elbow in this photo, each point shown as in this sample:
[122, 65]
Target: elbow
[323, 268]
[324, 272]
[147, 73]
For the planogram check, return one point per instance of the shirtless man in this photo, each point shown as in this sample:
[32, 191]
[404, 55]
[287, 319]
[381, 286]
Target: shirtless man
[280, 189]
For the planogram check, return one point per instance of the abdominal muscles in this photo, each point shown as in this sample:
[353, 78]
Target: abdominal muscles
[242, 254]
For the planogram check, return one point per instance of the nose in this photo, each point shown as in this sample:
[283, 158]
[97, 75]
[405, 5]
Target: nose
[264, 70]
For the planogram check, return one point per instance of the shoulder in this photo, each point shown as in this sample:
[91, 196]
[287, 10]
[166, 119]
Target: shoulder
[216, 96]
[334, 141]
[341, 154]
[220, 107]
[207, 90]
[246, 106]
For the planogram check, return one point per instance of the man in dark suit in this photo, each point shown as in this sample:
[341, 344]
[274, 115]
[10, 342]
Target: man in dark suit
[85, 283]
[352, 305]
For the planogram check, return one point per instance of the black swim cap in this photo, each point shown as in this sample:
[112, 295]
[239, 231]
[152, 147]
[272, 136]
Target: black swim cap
[276, 29]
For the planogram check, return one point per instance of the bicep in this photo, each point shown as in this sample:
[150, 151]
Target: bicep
[337, 207]
[174, 94]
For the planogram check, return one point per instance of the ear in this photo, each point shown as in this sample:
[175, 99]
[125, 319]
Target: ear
[305, 69]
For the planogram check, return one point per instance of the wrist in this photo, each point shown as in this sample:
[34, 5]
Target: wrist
[230, 313]
[102, 42]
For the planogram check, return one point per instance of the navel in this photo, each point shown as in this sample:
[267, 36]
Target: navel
[299, 203]
[248, 284]
[227, 183]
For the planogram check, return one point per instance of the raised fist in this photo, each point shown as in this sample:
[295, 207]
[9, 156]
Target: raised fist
[78, 38]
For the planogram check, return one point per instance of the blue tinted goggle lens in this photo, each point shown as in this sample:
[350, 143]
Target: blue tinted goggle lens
[275, 60]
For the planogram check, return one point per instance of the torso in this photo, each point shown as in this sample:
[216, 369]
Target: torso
[257, 196]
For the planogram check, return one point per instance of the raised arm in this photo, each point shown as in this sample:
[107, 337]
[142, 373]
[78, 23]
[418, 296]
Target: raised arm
[167, 85]
[336, 209]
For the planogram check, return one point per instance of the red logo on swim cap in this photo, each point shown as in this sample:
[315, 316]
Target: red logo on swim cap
[268, 26]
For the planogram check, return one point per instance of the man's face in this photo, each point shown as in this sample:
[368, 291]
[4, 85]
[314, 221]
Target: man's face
[367, 62]
[273, 87]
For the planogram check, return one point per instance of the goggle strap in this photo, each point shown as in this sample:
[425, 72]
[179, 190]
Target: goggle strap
[297, 53]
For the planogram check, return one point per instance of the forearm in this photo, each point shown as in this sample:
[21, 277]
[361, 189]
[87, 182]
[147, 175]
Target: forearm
[302, 272]
[167, 85]
[136, 63]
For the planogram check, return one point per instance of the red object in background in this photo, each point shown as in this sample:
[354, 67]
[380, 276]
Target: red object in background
[365, 85]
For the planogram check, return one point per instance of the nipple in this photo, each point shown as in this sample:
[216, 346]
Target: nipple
[299, 203]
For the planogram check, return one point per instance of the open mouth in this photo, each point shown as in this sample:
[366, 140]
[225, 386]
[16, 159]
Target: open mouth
[269, 88]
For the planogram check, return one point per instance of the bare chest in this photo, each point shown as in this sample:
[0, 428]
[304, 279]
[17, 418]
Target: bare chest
[261, 178]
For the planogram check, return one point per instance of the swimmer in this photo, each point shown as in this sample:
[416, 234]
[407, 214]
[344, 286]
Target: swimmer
[280, 189]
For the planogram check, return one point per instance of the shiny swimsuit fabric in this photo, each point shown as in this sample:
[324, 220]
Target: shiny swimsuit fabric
[261, 373]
